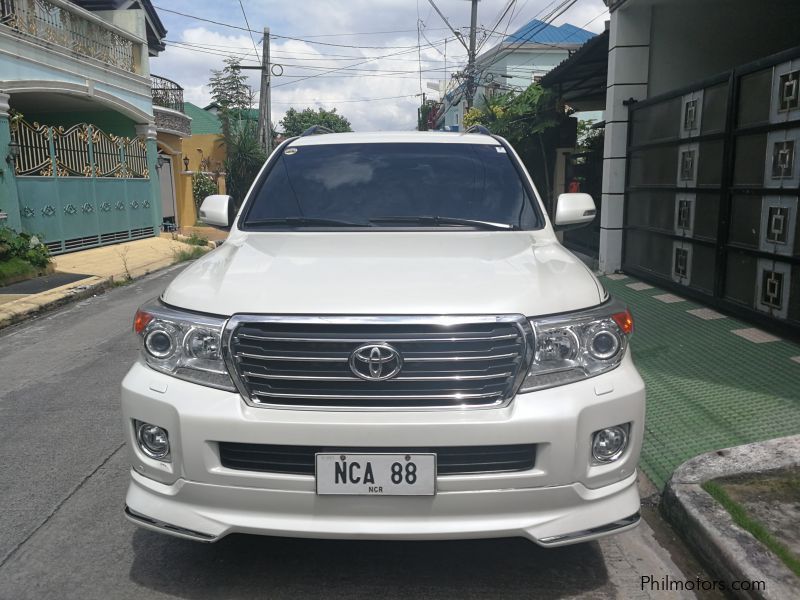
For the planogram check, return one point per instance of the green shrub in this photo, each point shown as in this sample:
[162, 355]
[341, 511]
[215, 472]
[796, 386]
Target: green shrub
[196, 240]
[183, 255]
[16, 269]
[202, 186]
[23, 245]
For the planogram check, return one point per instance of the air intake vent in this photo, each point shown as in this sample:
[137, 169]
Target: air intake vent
[82, 242]
[450, 460]
[117, 236]
[142, 232]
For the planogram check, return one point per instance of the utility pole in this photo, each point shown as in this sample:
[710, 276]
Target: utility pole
[473, 26]
[264, 98]
[469, 72]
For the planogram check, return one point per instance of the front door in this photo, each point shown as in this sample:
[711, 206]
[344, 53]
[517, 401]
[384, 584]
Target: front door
[167, 187]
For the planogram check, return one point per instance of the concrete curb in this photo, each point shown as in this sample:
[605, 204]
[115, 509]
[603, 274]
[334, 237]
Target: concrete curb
[729, 551]
[35, 304]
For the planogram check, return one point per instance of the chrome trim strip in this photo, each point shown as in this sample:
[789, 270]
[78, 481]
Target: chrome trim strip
[398, 378]
[163, 527]
[576, 536]
[456, 396]
[492, 338]
[460, 358]
[292, 358]
[520, 321]
[345, 359]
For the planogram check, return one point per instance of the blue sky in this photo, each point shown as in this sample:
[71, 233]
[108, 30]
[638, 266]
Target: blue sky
[326, 29]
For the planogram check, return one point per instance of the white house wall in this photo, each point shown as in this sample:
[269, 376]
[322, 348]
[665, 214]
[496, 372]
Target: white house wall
[628, 67]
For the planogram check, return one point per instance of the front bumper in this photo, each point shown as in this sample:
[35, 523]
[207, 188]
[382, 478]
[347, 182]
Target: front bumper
[563, 499]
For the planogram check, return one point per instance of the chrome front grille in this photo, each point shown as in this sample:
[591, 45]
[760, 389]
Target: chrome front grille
[447, 362]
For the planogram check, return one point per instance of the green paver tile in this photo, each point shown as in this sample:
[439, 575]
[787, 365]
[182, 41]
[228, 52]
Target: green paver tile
[706, 387]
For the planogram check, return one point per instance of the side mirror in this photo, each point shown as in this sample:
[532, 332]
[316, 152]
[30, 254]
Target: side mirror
[218, 211]
[574, 210]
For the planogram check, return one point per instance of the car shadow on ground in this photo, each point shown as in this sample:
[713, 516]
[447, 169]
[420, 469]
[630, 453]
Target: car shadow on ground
[241, 566]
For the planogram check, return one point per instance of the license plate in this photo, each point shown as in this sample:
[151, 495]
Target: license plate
[376, 474]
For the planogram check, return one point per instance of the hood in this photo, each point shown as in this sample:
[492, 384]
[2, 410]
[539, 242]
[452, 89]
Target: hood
[388, 273]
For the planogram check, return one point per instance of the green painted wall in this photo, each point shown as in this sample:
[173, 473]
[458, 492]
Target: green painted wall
[107, 120]
[155, 189]
[9, 201]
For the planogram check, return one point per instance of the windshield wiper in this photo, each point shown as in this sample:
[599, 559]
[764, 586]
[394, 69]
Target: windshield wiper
[436, 221]
[305, 222]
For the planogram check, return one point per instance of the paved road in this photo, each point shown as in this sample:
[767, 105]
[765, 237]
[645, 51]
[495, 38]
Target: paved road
[63, 476]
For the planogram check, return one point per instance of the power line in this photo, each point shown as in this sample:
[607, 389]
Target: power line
[365, 32]
[544, 23]
[589, 22]
[343, 68]
[226, 49]
[284, 37]
[419, 50]
[497, 22]
[246, 22]
[329, 101]
[559, 10]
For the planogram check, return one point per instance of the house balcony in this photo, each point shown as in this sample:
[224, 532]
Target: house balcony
[67, 26]
[58, 50]
[168, 107]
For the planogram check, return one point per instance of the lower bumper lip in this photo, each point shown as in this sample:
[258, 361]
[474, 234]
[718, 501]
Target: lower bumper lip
[558, 540]
[577, 536]
[150, 523]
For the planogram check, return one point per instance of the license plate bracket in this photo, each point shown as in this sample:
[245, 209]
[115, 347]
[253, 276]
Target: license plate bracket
[375, 474]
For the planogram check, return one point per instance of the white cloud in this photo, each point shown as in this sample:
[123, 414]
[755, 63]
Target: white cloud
[394, 75]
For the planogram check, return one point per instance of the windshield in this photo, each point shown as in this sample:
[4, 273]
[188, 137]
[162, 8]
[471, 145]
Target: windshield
[392, 185]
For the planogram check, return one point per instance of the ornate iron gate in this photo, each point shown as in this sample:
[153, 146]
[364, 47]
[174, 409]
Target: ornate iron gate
[80, 187]
[712, 193]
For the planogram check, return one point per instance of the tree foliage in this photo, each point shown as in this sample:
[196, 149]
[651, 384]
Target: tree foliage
[530, 122]
[229, 87]
[245, 156]
[202, 186]
[243, 150]
[426, 110]
[296, 122]
[590, 137]
[515, 116]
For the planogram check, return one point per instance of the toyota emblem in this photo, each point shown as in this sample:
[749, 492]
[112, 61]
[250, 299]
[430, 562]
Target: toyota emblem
[375, 362]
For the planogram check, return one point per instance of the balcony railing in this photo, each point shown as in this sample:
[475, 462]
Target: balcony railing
[166, 93]
[64, 24]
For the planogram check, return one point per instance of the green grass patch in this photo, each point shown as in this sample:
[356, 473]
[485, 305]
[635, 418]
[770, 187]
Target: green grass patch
[194, 253]
[121, 282]
[196, 240]
[743, 520]
[16, 269]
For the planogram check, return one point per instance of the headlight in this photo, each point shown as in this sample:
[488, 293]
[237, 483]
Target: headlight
[578, 345]
[183, 344]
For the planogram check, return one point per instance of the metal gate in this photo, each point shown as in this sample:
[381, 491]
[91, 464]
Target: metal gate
[712, 191]
[80, 187]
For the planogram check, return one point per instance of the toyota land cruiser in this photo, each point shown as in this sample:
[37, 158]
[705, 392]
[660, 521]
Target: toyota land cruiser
[391, 344]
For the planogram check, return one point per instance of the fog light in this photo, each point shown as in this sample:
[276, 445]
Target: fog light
[609, 444]
[153, 440]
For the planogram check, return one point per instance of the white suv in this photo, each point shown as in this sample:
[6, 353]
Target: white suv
[391, 344]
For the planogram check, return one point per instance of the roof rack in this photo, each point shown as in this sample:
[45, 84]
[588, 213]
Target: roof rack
[478, 129]
[316, 130]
